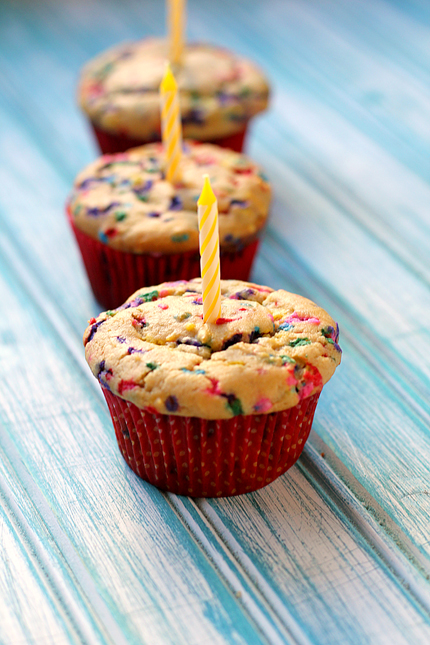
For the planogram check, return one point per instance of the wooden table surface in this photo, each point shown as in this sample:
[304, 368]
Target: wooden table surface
[337, 550]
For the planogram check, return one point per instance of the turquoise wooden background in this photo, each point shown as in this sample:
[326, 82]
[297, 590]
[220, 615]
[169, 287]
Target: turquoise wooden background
[337, 550]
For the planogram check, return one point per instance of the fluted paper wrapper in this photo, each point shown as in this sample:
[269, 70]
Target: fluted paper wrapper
[115, 275]
[210, 458]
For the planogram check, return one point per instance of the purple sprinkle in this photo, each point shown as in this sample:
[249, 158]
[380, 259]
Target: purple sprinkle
[238, 202]
[171, 403]
[93, 330]
[190, 341]
[133, 350]
[194, 116]
[236, 338]
[139, 190]
[121, 339]
[175, 204]
[95, 212]
[154, 214]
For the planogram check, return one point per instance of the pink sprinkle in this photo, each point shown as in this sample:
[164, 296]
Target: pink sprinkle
[306, 391]
[163, 306]
[263, 405]
[291, 380]
[295, 317]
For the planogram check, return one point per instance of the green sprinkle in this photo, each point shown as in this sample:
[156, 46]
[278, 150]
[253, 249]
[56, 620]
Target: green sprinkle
[182, 316]
[300, 341]
[234, 404]
[330, 340]
[180, 238]
[110, 313]
[120, 216]
[245, 92]
[194, 95]
[152, 366]
[287, 359]
[143, 198]
[151, 295]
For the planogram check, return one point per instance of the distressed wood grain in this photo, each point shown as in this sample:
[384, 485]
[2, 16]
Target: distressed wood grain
[346, 145]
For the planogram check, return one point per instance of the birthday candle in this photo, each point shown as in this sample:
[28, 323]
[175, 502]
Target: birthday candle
[171, 125]
[209, 253]
[175, 19]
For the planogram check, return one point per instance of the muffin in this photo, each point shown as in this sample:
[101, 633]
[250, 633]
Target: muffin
[212, 409]
[219, 93]
[136, 229]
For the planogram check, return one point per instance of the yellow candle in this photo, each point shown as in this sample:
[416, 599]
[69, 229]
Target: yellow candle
[171, 125]
[175, 19]
[209, 253]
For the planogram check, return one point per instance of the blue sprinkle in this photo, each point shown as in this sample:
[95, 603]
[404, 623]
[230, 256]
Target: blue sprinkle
[171, 403]
[103, 237]
[285, 326]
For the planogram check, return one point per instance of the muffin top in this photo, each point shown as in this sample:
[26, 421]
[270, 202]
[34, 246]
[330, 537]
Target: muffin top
[125, 201]
[269, 350]
[219, 91]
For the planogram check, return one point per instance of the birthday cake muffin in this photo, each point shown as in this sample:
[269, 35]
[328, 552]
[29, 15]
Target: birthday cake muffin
[212, 409]
[219, 93]
[134, 228]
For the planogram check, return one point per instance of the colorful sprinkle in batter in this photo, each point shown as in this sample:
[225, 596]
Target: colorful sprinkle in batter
[251, 362]
[125, 202]
[219, 92]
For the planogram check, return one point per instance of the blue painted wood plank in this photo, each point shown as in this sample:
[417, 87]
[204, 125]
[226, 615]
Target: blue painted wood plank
[153, 579]
[107, 523]
[333, 145]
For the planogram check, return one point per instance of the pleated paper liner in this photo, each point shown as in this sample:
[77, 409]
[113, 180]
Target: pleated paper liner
[110, 143]
[115, 275]
[210, 458]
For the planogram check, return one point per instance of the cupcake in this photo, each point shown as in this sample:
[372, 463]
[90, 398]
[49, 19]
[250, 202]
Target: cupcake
[212, 409]
[136, 229]
[219, 93]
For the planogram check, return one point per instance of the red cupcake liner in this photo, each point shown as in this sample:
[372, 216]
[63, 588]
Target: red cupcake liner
[210, 458]
[110, 143]
[115, 275]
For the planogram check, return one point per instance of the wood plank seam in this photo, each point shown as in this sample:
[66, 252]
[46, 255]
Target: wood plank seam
[372, 523]
[82, 628]
[244, 589]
